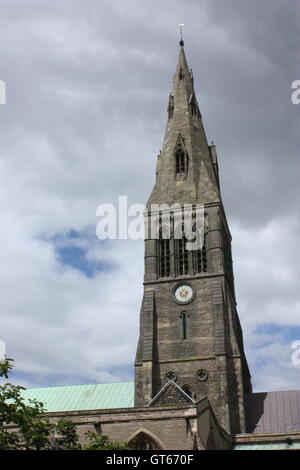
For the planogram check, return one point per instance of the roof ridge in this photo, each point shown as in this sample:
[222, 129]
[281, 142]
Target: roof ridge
[78, 385]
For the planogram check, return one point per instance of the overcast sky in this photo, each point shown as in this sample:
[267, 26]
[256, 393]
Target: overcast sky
[87, 90]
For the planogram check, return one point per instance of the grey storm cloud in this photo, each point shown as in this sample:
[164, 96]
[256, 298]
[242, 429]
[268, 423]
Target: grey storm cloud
[87, 89]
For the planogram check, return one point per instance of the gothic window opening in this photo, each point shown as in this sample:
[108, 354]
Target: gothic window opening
[182, 256]
[184, 325]
[164, 258]
[144, 441]
[199, 257]
[163, 249]
[171, 106]
[180, 161]
[201, 260]
[181, 74]
[144, 444]
[181, 158]
[194, 105]
[194, 108]
[188, 390]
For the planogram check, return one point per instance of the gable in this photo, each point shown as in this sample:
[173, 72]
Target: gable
[171, 394]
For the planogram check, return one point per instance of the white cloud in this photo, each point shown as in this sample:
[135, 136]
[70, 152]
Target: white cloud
[87, 90]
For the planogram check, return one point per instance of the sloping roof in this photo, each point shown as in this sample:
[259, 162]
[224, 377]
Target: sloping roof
[273, 412]
[84, 397]
[268, 446]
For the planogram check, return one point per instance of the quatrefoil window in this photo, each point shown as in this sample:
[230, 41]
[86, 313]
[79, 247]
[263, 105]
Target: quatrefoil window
[171, 376]
[202, 375]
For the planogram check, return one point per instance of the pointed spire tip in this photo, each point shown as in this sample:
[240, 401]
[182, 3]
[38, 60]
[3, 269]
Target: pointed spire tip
[180, 29]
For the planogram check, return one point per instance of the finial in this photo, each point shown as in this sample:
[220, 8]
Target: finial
[180, 29]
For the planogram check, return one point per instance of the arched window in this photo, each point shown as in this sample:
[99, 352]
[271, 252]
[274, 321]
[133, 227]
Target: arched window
[199, 257]
[194, 107]
[164, 257]
[144, 443]
[188, 390]
[181, 74]
[180, 161]
[181, 256]
[181, 158]
[171, 106]
[184, 325]
[163, 249]
[145, 440]
[200, 260]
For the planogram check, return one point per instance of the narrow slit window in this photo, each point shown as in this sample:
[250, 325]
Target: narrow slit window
[184, 325]
[194, 108]
[180, 161]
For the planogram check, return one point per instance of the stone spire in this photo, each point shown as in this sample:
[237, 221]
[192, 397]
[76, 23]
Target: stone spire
[198, 180]
[195, 342]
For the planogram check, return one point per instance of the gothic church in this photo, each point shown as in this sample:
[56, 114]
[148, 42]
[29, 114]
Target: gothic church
[192, 387]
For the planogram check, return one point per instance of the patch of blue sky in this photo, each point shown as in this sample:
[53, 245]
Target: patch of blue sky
[118, 374]
[72, 248]
[52, 380]
[77, 258]
[286, 333]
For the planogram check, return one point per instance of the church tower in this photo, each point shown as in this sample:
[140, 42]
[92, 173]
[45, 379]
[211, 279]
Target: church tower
[189, 327]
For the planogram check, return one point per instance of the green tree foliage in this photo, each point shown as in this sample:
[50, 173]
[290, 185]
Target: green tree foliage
[101, 442]
[33, 430]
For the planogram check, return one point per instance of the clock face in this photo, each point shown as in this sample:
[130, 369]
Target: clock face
[184, 293]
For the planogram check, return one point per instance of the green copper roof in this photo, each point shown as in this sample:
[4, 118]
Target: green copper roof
[84, 397]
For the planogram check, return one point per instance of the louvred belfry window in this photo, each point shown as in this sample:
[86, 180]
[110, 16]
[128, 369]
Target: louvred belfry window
[164, 246]
[199, 256]
[163, 251]
[182, 256]
[201, 263]
[200, 260]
